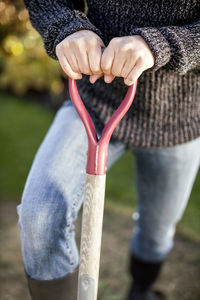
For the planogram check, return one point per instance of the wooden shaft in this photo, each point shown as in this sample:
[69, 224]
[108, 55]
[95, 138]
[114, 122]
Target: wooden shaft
[91, 234]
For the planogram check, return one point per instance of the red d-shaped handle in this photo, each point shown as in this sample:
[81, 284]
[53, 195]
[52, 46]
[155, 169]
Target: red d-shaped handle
[98, 149]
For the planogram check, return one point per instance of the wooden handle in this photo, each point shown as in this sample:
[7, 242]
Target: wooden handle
[91, 234]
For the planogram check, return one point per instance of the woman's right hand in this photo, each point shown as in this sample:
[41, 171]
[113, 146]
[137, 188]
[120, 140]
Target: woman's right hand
[79, 53]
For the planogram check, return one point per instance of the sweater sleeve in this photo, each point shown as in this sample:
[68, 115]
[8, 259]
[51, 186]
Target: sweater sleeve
[55, 20]
[177, 47]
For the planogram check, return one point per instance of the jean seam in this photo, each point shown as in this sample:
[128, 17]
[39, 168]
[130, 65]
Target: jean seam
[73, 211]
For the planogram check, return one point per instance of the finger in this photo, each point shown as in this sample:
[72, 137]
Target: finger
[118, 64]
[83, 62]
[67, 68]
[108, 78]
[94, 58]
[71, 58]
[134, 74]
[73, 61]
[107, 60]
[128, 66]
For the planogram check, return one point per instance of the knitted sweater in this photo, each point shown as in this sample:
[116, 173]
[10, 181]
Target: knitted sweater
[166, 108]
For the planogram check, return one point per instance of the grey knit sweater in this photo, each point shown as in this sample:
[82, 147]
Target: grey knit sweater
[166, 109]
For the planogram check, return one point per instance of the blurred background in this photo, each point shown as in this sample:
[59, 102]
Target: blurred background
[32, 88]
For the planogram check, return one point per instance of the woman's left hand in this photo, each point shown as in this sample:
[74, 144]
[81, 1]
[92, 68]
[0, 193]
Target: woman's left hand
[126, 57]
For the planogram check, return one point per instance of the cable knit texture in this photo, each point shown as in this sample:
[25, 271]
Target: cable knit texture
[166, 108]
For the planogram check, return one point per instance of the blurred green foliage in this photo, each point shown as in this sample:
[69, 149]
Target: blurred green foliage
[23, 126]
[24, 63]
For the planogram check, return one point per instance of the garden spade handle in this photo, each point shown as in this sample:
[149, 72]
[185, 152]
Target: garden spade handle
[93, 205]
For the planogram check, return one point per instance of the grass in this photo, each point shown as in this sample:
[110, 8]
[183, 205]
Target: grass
[22, 127]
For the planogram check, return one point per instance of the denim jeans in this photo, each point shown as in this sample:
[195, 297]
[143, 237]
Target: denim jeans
[54, 189]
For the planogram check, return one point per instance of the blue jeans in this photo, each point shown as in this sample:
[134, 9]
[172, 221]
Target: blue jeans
[53, 195]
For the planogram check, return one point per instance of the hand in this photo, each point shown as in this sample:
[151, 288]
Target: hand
[125, 57]
[79, 53]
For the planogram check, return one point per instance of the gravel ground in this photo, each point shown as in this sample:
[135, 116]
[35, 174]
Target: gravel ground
[180, 277]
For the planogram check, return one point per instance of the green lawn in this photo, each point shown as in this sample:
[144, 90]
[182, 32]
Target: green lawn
[23, 125]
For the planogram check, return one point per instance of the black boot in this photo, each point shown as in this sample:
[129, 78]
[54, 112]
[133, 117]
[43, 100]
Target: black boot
[57, 289]
[144, 274]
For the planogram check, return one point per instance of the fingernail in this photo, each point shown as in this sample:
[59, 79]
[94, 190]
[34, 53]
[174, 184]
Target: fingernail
[128, 82]
[107, 80]
[92, 80]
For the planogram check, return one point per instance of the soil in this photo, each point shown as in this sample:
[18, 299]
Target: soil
[179, 280]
